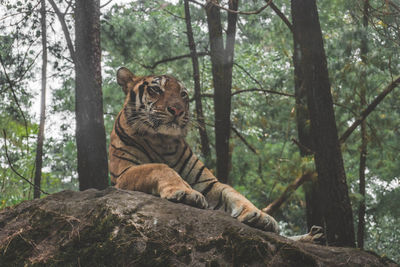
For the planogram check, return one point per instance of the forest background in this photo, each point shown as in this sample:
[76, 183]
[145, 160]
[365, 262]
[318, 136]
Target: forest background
[266, 158]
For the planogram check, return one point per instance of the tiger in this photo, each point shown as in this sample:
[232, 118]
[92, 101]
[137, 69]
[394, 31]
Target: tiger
[148, 151]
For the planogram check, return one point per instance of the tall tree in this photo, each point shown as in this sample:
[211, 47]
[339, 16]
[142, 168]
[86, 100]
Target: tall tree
[222, 63]
[90, 132]
[40, 137]
[364, 139]
[314, 214]
[328, 158]
[205, 144]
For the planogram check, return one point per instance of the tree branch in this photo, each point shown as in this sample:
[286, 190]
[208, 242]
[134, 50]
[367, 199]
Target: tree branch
[241, 137]
[28, 68]
[24, 17]
[64, 29]
[67, 9]
[234, 11]
[276, 204]
[282, 16]
[369, 109]
[248, 74]
[261, 90]
[105, 4]
[249, 90]
[165, 60]
[243, 12]
[303, 148]
[205, 144]
[12, 167]
[11, 87]
[394, 6]
[172, 14]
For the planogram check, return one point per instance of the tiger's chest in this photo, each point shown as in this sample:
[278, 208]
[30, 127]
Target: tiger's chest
[159, 149]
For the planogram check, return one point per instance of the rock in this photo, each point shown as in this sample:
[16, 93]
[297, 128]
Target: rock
[126, 228]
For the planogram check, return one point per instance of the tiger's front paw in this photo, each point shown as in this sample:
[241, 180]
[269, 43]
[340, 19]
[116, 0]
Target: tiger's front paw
[258, 219]
[188, 196]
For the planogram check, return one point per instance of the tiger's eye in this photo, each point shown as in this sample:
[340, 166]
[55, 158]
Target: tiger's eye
[184, 94]
[154, 91]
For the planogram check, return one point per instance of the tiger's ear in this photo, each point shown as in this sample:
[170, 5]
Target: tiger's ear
[125, 78]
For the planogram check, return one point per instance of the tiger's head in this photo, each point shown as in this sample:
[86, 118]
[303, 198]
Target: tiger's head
[155, 104]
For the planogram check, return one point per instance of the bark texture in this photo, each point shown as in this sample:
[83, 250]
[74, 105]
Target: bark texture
[205, 144]
[222, 63]
[314, 215]
[333, 188]
[125, 228]
[90, 132]
[40, 137]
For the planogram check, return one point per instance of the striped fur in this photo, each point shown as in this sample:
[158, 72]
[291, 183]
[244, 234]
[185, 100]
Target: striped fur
[148, 151]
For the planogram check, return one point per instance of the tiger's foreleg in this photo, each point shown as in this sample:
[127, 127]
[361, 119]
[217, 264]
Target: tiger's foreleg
[160, 180]
[224, 197]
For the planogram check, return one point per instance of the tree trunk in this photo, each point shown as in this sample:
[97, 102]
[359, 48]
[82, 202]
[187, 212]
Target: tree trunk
[328, 158]
[364, 140]
[205, 144]
[314, 214]
[90, 132]
[40, 137]
[222, 63]
[361, 207]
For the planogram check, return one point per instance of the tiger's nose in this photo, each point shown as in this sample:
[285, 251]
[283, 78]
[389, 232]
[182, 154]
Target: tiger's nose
[175, 111]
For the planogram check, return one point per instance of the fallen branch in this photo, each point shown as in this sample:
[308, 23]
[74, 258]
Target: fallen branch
[276, 204]
[369, 109]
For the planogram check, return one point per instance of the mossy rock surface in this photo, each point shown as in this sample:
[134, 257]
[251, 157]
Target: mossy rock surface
[123, 228]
